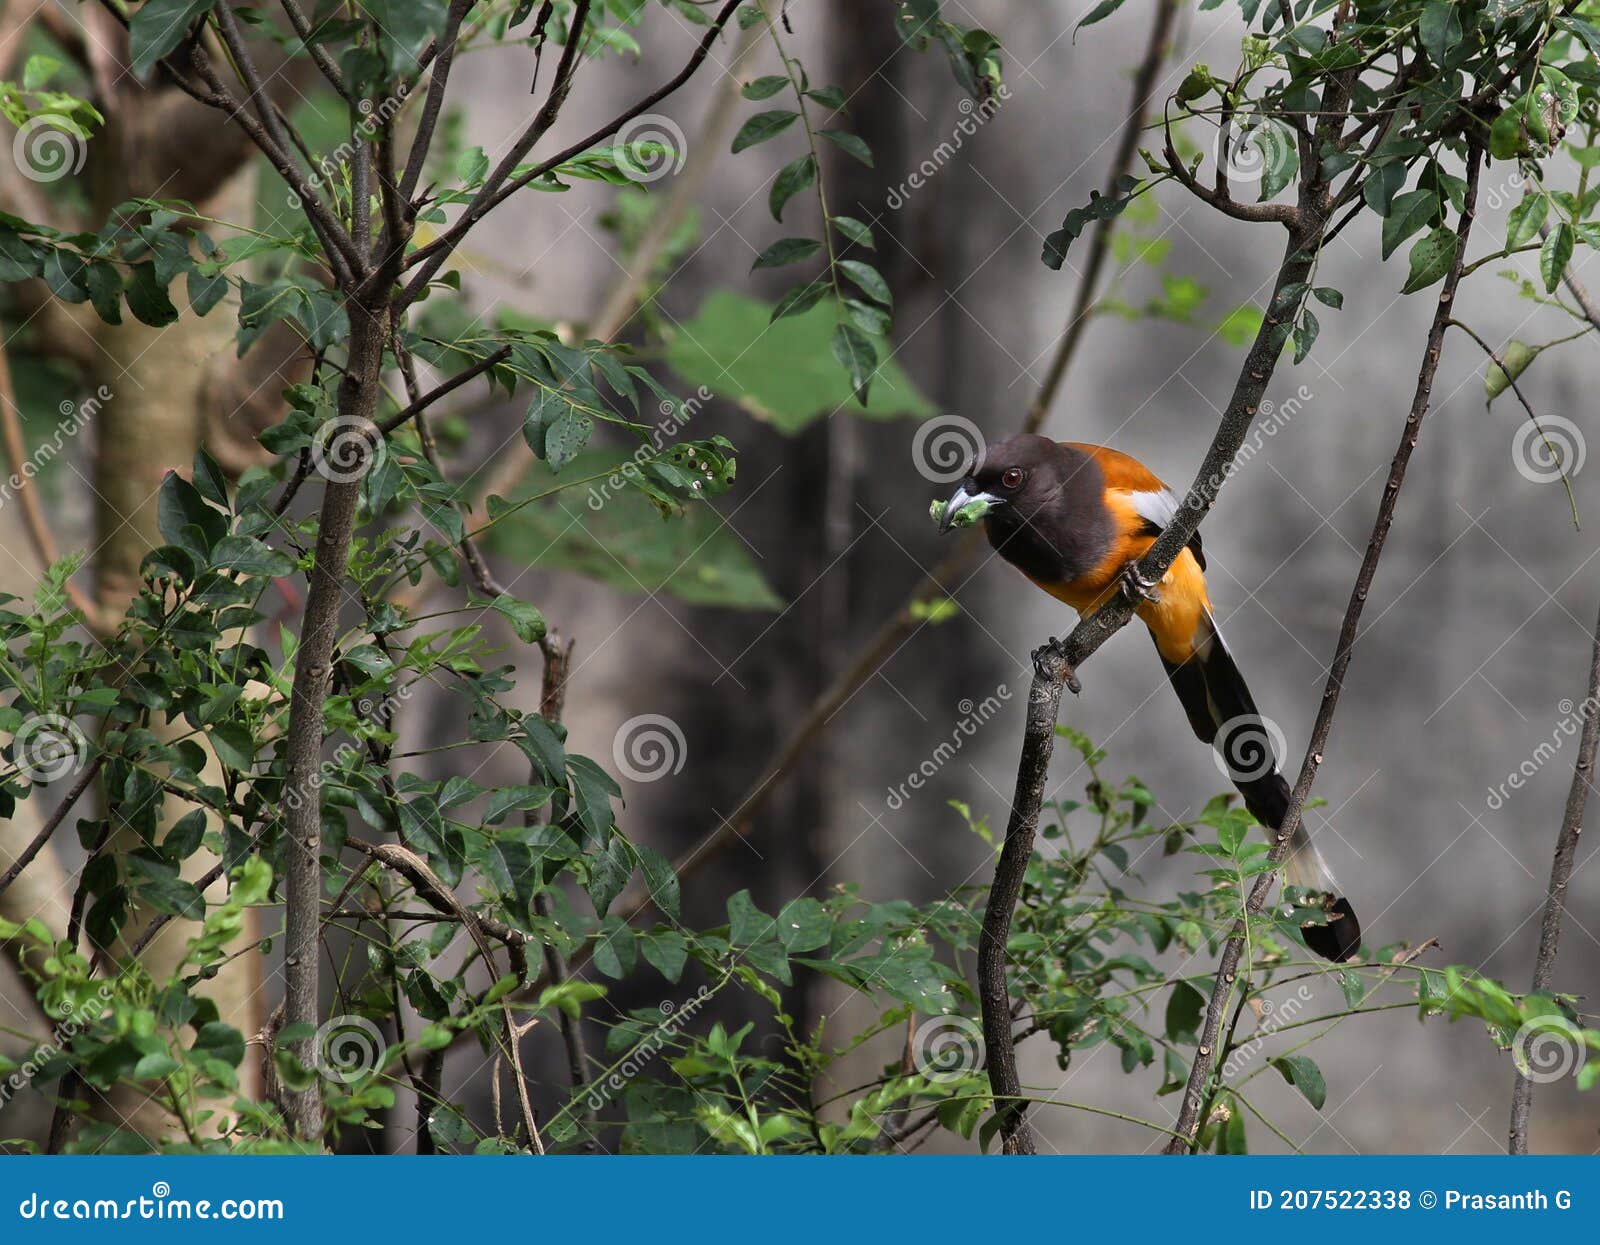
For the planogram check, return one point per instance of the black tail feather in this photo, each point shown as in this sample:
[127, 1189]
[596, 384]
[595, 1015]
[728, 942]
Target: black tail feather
[1222, 713]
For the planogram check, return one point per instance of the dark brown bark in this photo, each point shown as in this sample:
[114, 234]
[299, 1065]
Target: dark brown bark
[1038, 745]
[358, 398]
[1555, 904]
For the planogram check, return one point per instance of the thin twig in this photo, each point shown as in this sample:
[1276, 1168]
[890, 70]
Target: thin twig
[1498, 360]
[1555, 904]
[25, 858]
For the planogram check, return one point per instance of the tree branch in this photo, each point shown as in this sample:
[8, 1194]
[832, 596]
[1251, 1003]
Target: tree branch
[1190, 1116]
[1555, 904]
[1038, 744]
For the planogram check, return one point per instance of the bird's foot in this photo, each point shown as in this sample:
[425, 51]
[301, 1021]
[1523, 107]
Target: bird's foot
[1136, 588]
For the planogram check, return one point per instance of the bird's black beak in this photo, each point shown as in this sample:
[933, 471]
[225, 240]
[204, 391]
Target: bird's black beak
[967, 505]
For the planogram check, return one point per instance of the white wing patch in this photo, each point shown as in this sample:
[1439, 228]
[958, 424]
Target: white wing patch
[1158, 507]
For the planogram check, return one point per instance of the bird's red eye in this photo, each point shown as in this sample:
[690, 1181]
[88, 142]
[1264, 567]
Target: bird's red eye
[1012, 477]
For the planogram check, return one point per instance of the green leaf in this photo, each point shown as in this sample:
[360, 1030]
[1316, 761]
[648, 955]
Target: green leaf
[1440, 29]
[1555, 255]
[158, 26]
[1184, 1009]
[1517, 356]
[804, 925]
[147, 297]
[855, 352]
[1328, 297]
[855, 231]
[790, 181]
[660, 880]
[1526, 218]
[1305, 1076]
[869, 279]
[666, 951]
[787, 251]
[245, 555]
[566, 436]
[851, 144]
[762, 126]
[785, 372]
[799, 300]
[765, 87]
[525, 619]
[1099, 13]
[1409, 212]
[234, 745]
[1430, 259]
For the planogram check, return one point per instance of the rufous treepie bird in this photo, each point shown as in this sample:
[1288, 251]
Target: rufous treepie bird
[1076, 519]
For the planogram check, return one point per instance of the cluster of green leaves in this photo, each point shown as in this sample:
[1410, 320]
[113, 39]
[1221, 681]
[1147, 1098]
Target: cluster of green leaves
[857, 289]
[1418, 74]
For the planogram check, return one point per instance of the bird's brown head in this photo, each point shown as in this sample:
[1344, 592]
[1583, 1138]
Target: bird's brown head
[1012, 482]
[1042, 506]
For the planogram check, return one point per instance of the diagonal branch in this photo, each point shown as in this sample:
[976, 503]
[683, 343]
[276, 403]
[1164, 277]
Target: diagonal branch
[1195, 1094]
[1555, 904]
